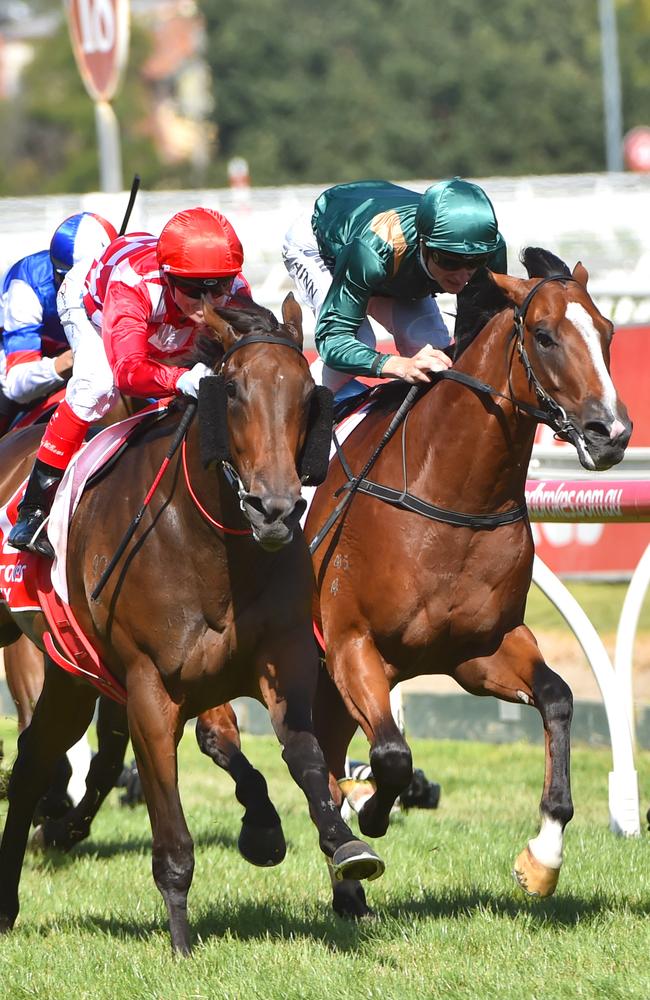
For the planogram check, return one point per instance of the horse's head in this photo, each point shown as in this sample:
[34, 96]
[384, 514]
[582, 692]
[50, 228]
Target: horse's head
[564, 344]
[259, 416]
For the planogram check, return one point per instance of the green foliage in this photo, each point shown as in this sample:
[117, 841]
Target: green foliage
[50, 141]
[320, 93]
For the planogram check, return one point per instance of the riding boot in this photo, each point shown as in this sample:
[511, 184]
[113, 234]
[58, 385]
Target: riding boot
[28, 533]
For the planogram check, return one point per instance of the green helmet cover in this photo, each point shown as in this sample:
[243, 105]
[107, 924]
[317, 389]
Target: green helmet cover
[456, 216]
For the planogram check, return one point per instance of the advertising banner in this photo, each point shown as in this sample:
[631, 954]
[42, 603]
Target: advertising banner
[608, 550]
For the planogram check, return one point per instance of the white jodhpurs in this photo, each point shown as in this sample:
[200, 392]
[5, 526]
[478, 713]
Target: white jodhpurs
[413, 323]
[90, 392]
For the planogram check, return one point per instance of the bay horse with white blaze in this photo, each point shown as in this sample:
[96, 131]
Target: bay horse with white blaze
[199, 610]
[428, 570]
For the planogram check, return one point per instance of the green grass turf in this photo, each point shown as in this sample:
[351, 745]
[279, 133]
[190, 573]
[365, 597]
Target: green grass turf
[601, 601]
[449, 920]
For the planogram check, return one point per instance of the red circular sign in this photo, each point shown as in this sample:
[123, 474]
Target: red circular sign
[636, 148]
[99, 30]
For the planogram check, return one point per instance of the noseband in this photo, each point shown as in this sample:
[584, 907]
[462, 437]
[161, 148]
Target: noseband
[553, 414]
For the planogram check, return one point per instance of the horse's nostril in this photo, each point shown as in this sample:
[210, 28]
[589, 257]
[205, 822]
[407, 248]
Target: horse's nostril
[596, 428]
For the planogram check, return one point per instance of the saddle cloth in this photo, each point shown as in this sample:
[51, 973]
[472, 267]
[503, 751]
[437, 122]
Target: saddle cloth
[29, 583]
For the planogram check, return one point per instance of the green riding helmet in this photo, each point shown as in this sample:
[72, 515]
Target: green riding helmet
[456, 216]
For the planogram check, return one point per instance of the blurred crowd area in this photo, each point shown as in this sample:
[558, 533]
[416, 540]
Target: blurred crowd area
[601, 219]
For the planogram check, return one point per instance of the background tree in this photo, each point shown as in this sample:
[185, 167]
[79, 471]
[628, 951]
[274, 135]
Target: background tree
[318, 93]
[411, 88]
[49, 133]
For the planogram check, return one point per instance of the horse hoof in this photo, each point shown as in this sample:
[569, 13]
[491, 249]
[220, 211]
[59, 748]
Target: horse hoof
[356, 860]
[533, 877]
[357, 792]
[264, 847]
[349, 902]
[6, 924]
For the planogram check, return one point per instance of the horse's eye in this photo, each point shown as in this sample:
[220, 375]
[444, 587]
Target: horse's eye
[231, 389]
[544, 340]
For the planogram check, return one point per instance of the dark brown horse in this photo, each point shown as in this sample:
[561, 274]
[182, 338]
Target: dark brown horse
[195, 615]
[61, 824]
[406, 589]
[25, 672]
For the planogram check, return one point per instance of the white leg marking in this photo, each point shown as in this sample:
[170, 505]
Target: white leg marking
[578, 315]
[547, 845]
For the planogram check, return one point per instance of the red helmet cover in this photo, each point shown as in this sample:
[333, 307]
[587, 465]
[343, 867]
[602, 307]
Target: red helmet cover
[200, 243]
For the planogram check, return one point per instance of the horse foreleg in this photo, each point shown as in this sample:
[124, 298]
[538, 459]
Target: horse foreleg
[517, 672]
[156, 727]
[105, 768]
[62, 714]
[288, 673]
[359, 673]
[261, 840]
[334, 728]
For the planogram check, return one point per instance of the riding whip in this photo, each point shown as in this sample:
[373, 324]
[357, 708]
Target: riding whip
[129, 208]
[181, 431]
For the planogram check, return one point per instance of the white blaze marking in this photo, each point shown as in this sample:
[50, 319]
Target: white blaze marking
[583, 323]
[547, 845]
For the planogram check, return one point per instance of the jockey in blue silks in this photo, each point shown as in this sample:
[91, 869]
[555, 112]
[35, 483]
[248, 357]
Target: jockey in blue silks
[36, 356]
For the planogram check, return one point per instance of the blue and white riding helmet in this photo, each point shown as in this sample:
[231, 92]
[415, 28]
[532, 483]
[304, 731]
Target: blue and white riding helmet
[82, 236]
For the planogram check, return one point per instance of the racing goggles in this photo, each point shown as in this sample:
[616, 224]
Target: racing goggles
[195, 288]
[457, 261]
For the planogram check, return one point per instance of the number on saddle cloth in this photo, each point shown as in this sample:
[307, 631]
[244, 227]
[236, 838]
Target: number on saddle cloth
[213, 430]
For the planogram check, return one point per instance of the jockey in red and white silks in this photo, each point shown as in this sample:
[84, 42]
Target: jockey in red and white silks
[126, 328]
[128, 320]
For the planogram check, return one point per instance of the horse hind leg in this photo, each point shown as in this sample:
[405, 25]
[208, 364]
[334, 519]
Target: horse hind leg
[62, 714]
[517, 673]
[261, 840]
[66, 831]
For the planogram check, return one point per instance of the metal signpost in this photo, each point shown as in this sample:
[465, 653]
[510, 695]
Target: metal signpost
[99, 31]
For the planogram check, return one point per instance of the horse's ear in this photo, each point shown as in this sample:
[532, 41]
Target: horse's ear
[223, 331]
[514, 289]
[292, 318]
[581, 274]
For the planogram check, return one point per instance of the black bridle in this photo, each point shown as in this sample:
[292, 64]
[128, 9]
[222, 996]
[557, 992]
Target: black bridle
[554, 415]
[548, 412]
[255, 338]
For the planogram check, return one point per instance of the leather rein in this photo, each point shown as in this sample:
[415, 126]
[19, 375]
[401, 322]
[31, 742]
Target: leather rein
[549, 412]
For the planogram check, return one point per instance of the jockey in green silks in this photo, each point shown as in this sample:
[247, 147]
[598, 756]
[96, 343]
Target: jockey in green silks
[374, 249]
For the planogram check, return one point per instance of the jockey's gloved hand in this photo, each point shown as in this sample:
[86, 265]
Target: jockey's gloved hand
[188, 383]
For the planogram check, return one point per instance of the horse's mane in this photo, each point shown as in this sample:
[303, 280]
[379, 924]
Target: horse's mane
[481, 299]
[247, 318]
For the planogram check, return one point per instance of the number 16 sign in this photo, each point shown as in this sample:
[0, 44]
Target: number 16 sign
[99, 30]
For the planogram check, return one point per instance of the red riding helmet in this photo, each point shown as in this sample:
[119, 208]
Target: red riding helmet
[199, 243]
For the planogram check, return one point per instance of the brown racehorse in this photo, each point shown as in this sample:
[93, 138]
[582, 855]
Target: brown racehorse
[62, 825]
[25, 672]
[195, 615]
[404, 592]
